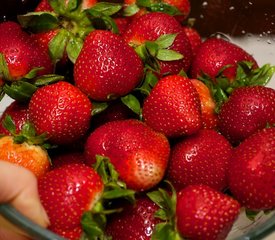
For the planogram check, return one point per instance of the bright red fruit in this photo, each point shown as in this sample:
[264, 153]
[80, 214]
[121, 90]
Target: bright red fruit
[107, 67]
[204, 213]
[216, 53]
[138, 153]
[202, 158]
[247, 110]
[21, 53]
[134, 222]
[194, 38]
[19, 114]
[67, 192]
[252, 171]
[67, 158]
[150, 27]
[173, 107]
[62, 111]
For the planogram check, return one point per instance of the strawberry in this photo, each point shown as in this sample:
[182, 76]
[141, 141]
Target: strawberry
[107, 67]
[24, 148]
[67, 158]
[208, 105]
[173, 107]
[67, 192]
[215, 54]
[194, 38]
[247, 110]
[62, 111]
[204, 213]
[21, 54]
[19, 113]
[202, 158]
[138, 153]
[183, 6]
[134, 222]
[151, 27]
[252, 171]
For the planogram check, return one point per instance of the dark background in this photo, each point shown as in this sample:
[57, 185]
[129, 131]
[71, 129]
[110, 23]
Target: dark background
[235, 17]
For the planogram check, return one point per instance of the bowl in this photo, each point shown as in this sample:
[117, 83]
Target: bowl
[248, 23]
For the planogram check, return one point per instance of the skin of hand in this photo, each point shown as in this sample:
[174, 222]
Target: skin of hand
[18, 186]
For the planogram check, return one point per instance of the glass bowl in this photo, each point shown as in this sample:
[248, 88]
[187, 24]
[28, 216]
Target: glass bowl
[248, 23]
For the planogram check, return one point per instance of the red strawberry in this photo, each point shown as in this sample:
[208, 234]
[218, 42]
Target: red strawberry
[183, 6]
[208, 105]
[252, 171]
[194, 38]
[173, 107]
[215, 54]
[204, 213]
[247, 110]
[62, 111]
[67, 192]
[134, 222]
[67, 158]
[21, 53]
[150, 27]
[45, 6]
[19, 114]
[107, 67]
[138, 153]
[202, 158]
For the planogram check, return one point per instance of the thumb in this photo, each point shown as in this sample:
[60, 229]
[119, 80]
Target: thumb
[18, 186]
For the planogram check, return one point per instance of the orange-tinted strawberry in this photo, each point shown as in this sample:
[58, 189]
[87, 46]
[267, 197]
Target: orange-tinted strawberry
[173, 107]
[208, 105]
[62, 111]
[138, 153]
[202, 158]
[29, 156]
[214, 54]
[252, 171]
[107, 67]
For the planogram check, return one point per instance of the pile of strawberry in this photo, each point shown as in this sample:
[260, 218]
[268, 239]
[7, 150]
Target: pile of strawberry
[135, 127]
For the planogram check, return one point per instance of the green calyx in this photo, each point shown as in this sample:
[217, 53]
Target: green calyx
[27, 133]
[167, 229]
[221, 87]
[151, 6]
[94, 221]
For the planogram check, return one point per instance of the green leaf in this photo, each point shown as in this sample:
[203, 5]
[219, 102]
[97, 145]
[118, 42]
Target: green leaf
[73, 48]
[72, 5]
[165, 8]
[161, 214]
[58, 44]
[8, 124]
[28, 130]
[59, 6]
[118, 193]
[152, 48]
[143, 3]
[32, 73]
[4, 70]
[130, 10]
[2, 93]
[20, 90]
[168, 55]
[99, 107]
[251, 215]
[47, 79]
[165, 231]
[106, 8]
[132, 102]
[38, 21]
[141, 52]
[166, 40]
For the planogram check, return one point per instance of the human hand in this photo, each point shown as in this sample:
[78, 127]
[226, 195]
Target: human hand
[18, 187]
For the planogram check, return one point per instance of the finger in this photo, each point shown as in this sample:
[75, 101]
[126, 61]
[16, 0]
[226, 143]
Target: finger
[6, 235]
[19, 187]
